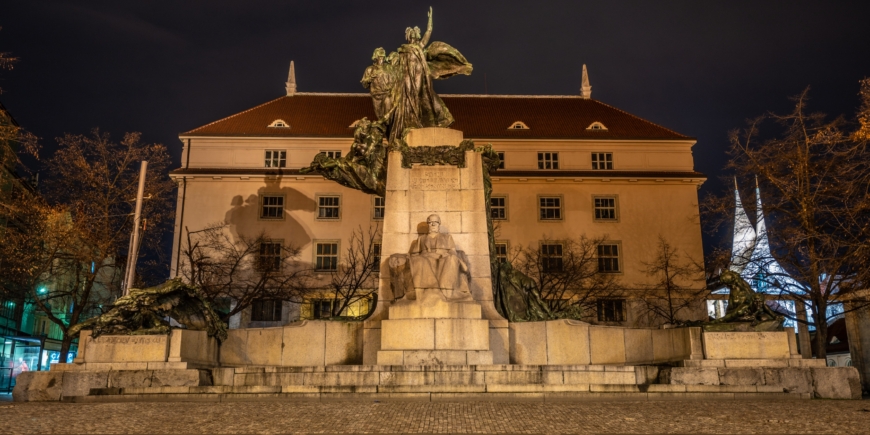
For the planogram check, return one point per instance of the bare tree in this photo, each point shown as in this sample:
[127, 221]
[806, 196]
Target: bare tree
[64, 249]
[679, 285]
[814, 180]
[356, 276]
[240, 270]
[568, 273]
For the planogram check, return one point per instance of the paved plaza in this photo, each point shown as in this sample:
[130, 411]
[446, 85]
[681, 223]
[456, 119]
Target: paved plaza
[676, 417]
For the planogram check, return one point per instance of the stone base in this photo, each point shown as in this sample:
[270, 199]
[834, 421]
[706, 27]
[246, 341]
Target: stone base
[435, 334]
[746, 345]
[434, 357]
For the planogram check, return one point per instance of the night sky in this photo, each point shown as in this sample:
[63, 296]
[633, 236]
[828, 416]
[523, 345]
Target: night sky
[164, 67]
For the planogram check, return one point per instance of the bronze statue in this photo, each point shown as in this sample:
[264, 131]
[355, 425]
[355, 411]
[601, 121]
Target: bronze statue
[380, 79]
[412, 101]
[744, 306]
[144, 311]
[364, 167]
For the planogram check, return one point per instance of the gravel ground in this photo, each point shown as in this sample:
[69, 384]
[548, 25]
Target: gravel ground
[674, 417]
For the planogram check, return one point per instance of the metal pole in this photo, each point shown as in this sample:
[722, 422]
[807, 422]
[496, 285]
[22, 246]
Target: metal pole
[134, 244]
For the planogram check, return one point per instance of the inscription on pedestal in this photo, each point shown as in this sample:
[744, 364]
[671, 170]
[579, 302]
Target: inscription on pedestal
[746, 345]
[127, 348]
[434, 178]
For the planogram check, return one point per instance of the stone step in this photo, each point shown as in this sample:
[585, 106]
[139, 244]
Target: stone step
[517, 392]
[483, 388]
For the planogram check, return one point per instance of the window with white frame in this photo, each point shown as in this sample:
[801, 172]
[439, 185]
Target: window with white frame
[602, 161]
[608, 258]
[550, 207]
[498, 207]
[548, 160]
[611, 310]
[500, 159]
[272, 207]
[276, 158]
[378, 205]
[551, 258]
[326, 256]
[332, 154]
[328, 207]
[270, 256]
[605, 208]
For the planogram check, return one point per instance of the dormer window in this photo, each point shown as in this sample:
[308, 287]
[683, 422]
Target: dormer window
[519, 125]
[279, 123]
[596, 126]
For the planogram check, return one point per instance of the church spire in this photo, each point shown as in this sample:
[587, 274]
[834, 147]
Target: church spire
[743, 242]
[291, 81]
[763, 246]
[585, 87]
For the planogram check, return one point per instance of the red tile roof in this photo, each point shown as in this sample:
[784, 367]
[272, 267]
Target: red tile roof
[478, 116]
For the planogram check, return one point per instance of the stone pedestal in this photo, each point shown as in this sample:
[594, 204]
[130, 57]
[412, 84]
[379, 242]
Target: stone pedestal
[432, 326]
[432, 330]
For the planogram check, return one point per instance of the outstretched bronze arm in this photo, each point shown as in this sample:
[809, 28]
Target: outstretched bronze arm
[425, 40]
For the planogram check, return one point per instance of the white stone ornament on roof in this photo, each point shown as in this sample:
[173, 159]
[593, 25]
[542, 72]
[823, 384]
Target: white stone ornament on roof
[585, 87]
[290, 85]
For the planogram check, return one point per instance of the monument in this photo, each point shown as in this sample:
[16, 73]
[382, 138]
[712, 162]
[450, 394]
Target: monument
[436, 333]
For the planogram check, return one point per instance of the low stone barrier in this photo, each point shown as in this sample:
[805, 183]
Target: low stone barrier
[305, 343]
[561, 342]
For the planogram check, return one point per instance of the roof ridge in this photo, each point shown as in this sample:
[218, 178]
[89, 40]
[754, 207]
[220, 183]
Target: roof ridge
[641, 119]
[365, 94]
[511, 96]
[234, 115]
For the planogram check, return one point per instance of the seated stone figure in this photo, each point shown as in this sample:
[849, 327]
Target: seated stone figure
[432, 263]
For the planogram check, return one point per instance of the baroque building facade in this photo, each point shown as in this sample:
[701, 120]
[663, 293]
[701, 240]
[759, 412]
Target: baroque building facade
[572, 166]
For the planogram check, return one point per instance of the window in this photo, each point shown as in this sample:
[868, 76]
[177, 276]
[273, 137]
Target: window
[272, 207]
[605, 208]
[326, 256]
[551, 207]
[270, 256]
[500, 159]
[378, 204]
[548, 160]
[551, 258]
[518, 125]
[608, 258]
[602, 161]
[328, 207]
[498, 207]
[597, 126]
[501, 252]
[376, 256]
[332, 154]
[276, 159]
[266, 310]
[279, 123]
[611, 310]
[322, 308]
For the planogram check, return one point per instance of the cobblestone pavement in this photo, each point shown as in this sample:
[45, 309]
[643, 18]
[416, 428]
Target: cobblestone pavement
[676, 417]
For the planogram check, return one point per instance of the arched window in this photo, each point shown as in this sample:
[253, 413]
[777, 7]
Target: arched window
[597, 126]
[279, 123]
[519, 125]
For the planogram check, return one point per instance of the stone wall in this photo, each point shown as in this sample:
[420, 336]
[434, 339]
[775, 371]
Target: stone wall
[564, 342]
[305, 343]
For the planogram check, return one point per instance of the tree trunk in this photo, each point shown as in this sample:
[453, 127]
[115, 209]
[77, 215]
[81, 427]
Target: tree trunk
[64, 346]
[821, 337]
